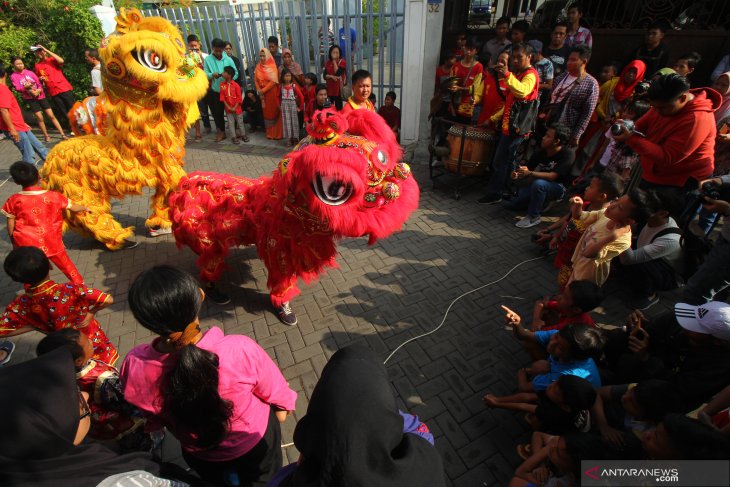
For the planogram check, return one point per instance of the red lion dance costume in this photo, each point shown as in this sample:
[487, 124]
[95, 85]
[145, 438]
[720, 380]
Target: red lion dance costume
[344, 180]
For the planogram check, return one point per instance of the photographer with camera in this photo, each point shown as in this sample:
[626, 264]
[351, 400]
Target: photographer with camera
[688, 347]
[675, 140]
[714, 273]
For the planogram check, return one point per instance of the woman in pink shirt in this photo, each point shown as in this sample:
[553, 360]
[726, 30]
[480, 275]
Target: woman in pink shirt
[30, 88]
[221, 396]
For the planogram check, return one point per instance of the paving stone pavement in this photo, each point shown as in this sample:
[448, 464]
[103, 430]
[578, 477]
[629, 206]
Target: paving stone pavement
[382, 295]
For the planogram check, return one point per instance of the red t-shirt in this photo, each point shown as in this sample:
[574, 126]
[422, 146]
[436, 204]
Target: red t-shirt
[50, 73]
[8, 101]
[391, 115]
[38, 217]
[231, 95]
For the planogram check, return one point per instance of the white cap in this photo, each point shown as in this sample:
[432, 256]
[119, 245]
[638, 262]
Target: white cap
[34, 48]
[711, 318]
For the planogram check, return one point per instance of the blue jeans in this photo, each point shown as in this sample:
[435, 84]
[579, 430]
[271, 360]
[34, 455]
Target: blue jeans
[535, 196]
[503, 163]
[29, 145]
[712, 276]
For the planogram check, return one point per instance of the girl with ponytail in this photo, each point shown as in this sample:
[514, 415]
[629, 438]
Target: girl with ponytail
[221, 396]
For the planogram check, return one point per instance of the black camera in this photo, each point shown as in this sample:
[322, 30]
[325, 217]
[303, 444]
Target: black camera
[641, 89]
[711, 190]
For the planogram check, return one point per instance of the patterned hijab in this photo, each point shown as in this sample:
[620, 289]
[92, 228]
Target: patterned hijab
[266, 69]
[294, 68]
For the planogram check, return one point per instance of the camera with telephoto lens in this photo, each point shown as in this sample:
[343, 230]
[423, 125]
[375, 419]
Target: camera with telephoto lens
[618, 127]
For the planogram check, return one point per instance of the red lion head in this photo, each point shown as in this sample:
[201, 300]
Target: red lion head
[349, 173]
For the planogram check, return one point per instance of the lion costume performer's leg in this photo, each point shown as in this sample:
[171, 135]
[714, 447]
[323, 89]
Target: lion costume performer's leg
[99, 222]
[160, 217]
[73, 168]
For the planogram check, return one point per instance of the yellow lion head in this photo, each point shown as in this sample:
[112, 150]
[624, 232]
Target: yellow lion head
[143, 62]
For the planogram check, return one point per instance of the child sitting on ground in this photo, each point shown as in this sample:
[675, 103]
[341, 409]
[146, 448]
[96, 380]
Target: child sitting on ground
[253, 114]
[608, 235]
[570, 351]
[232, 105]
[631, 409]
[564, 235]
[652, 265]
[561, 408]
[35, 218]
[47, 306]
[558, 462]
[391, 114]
[112, 418]
[571, 306]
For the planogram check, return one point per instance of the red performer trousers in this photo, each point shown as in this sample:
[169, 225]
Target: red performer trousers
[65, 265]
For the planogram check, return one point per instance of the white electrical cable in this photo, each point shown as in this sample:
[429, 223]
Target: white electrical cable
[454, 302]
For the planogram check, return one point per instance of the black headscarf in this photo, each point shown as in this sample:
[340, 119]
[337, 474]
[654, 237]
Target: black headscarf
[40, 413]
[353, 435]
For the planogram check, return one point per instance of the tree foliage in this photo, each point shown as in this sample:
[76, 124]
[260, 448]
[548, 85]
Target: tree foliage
[66, 27]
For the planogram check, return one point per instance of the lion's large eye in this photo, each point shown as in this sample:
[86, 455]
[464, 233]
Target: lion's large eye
[150, 60]
[331, 191]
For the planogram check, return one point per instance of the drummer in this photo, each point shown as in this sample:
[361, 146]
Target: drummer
[494, 94]
[467, 92]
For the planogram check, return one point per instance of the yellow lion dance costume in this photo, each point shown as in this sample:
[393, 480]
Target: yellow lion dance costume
[149, 90]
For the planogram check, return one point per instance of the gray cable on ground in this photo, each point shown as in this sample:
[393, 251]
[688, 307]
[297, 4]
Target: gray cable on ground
[454, 302]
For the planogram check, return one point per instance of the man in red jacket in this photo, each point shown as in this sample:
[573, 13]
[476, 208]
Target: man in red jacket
[680, 130]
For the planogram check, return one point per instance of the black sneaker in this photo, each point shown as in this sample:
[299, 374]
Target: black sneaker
[490, 199]
[286, 315]
[129, 244]
[216, 296]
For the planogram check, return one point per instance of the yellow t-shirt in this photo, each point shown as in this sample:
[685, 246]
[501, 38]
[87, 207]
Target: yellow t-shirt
[597, 268]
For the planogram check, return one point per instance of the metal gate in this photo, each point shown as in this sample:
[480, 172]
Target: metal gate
[302, 26]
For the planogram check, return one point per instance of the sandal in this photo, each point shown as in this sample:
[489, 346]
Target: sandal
[48, 138]
[245, 138]
[198, 139]
[524, 451]
[8, 347]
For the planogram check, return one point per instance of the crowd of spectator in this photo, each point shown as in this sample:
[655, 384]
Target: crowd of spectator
[640, 160]
[282, 97]
[279, 107]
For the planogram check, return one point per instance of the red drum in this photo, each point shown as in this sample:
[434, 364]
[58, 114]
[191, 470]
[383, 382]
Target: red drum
[479, 145]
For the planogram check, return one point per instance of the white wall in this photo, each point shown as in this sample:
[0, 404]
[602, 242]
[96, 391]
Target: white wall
[431, 53]
[413, 70]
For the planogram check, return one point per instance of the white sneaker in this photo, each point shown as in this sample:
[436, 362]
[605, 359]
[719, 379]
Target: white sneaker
[156, 232]
[528, 222]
